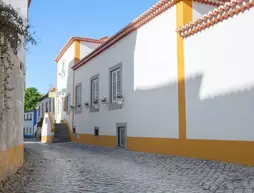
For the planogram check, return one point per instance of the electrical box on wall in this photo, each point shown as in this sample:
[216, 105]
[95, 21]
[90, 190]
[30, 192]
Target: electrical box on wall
[96, 131]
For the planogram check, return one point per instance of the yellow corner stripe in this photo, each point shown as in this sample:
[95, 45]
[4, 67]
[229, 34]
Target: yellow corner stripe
[183, 16]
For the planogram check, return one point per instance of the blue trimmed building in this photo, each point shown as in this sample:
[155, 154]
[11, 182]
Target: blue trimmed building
[30, 118]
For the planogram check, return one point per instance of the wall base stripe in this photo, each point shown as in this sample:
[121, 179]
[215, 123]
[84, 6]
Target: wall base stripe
[11, 160]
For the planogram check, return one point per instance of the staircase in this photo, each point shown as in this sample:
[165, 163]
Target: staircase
[61, 133]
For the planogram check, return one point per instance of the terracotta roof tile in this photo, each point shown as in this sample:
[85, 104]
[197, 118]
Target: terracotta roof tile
[219, 14]
[76, 38]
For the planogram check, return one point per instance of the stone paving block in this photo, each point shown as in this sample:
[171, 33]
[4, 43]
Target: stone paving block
[70, 167]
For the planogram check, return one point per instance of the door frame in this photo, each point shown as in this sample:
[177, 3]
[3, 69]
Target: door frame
[125, 129]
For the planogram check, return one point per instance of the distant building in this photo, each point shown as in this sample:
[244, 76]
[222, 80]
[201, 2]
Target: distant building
[46, 104]
[30, 118]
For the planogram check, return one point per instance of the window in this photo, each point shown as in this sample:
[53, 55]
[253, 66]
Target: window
[27, 130]
[53, 105]
[42, 109]
[78, 98]
[30, 132]
[31, 116]
[115, 86]
[39, 111]
[67, 103]
[24, 116]
[49, 105]
[94, 88]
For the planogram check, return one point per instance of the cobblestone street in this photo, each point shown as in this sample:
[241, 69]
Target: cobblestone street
[70, 167]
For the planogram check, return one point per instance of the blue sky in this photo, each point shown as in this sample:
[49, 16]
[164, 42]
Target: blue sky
[55, 21]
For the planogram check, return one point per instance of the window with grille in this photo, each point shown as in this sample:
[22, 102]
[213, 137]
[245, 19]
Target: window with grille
[78, 98]
[95, 91]
[115, 84]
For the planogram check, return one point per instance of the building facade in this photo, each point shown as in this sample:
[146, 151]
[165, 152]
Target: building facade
[11, 132]
[30, 118]
[173, 81]
[46, 104]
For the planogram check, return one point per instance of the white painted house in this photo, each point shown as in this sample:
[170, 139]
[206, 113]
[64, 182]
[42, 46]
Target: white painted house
[46, 104]
[173, 81]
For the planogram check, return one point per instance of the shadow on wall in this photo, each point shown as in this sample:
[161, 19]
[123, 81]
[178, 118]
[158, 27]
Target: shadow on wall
[228, 115]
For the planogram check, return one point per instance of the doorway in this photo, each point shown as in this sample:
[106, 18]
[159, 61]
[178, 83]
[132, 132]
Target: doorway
[121, 135]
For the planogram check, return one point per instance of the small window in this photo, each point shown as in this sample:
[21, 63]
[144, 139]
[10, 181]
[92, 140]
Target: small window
[39, 111]
[67, 104]
[49, 105]
[53, 105]
[27, 130]
[78, 98]
[96, 131]
[24, 116]
[42, 109]
[30, 131]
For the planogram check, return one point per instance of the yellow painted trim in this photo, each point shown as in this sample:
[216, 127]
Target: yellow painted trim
[47, 139]
[183, 16]
[11, 160]
[76, 51]
[72, 137]
[228, 151]
[106, 141]
[51, 122]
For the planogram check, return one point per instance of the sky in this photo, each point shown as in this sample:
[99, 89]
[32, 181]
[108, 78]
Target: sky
[55, 21]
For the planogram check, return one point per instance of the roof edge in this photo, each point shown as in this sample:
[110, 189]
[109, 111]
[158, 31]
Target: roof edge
[76, 38]
[144, 18]
[215, 16]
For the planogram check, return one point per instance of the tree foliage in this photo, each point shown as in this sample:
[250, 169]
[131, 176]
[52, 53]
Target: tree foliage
[14, 34]
[32, 97]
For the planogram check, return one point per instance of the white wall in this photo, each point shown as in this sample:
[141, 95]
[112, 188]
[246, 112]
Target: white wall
[86, 48]
[68, 60]
[43, 102]
[149, 61]
[22, 7]
[219, 80]
[199, 9]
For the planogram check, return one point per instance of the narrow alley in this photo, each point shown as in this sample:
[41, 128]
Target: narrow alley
[70, 167]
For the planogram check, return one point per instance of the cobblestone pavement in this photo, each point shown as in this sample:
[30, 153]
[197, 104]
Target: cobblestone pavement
[70, 167]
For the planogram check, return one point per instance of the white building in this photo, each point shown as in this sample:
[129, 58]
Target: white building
[75, 48]
[46, 104]
[11, 147]
[30, 118]
[173, 81]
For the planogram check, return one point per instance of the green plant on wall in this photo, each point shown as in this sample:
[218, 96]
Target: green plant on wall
[14, 34]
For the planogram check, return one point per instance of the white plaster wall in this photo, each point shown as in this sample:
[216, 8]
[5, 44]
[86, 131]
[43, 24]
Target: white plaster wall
[219, 80]
[46, 127]
[22, 7]
[43, 102]
[149, 61]
[68, 59]
[86, 48]
[199, 9]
